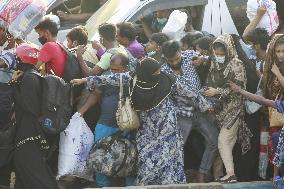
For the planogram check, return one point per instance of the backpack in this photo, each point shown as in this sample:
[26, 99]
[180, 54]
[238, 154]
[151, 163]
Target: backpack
[72, 69]
[56, 104]
[114, 156]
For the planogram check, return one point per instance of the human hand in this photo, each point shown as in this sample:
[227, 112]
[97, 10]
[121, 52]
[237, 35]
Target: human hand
[196, 60]
[275, 70]
[234, 87]
[17, 75]
[211, 92]
[261, 11]
[96, 45]
[63, 15]
[75, 82]
[81, 49]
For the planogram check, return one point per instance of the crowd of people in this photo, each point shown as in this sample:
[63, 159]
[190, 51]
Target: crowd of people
[194, 98]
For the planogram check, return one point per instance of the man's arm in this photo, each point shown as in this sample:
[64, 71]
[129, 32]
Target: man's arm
[92, 100]
[80, 17]
[87, 71]
[252, 25]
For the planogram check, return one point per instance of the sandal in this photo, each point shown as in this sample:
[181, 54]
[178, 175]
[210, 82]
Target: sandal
[231, 179]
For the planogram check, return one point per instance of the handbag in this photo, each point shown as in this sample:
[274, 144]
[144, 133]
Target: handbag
[253, 107]
[126, 117]
[114, 156]
[276, 119]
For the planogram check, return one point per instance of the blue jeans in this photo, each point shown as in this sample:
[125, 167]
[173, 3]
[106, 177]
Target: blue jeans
[101, 132]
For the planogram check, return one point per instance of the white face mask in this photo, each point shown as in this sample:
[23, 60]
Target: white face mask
[220, 59]
[162, 20]
[151, 53]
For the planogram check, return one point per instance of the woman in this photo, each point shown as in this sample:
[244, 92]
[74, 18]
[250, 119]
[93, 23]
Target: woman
[32, 171]
[245, 165]
[159, 143]
[273, 82]
[224, 67]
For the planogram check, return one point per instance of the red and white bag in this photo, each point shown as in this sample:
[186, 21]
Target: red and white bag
[270, 19]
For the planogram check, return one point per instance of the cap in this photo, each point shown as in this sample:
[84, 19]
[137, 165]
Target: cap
[27, 53]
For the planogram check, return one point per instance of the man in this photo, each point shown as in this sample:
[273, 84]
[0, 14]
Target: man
[82, 12]
[107, 34]
[108, 97]
[154, 46]
[179, 65]
[126, 36]
[157, 24]
[259, 40]
[51, 54]
[7, 67]
[79, 36]
[188, 40]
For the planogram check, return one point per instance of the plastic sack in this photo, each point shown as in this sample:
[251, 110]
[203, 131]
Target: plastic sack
[269, 20]
[74, 147]
[22, 16]
[176, 25]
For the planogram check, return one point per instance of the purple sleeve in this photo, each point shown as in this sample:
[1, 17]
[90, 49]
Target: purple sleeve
[280, 106]
[100, 52]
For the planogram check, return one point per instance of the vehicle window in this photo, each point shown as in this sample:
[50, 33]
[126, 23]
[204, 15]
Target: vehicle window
[237, 9]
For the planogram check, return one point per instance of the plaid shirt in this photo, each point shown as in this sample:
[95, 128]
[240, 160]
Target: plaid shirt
[188, 77]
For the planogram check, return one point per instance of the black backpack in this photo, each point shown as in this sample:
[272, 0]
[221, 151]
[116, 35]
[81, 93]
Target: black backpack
[56, 104]
[72, 69]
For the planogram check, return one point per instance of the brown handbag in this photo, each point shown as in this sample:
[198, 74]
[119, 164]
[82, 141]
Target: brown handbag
[276, 119]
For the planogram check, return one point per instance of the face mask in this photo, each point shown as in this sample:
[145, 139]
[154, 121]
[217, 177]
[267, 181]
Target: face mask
[162, 20]
[42, 40]
[220, 59]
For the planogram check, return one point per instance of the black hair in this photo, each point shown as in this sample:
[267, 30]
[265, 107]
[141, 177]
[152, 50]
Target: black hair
[108, 31]
[259, 36]
[78, 34]
[124, 60]
[126, 29]
[170, 48]
[218, 45]
[280, 41]
[48, 25]
[204, 42]
[190, 38]
[159, 38]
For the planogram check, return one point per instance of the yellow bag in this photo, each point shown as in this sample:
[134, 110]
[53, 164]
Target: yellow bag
[276, 119]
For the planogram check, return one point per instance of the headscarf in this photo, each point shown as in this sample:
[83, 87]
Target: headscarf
[268, 76]
[231, 58]
[150, 90]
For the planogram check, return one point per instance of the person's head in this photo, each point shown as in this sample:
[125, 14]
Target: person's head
[163, 13]
[27, 55]
[119, 63]
[125, 33]
[3, 30]
[259, 39]
[148, 71]
[219, 52]
[279, 49]
[77, 36]
[107, 34]
[203, 45]
[172, 51]
[47, 31]
[188, 40]
[156, 42]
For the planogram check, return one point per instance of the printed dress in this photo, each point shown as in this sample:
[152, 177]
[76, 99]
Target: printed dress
[159, 143]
